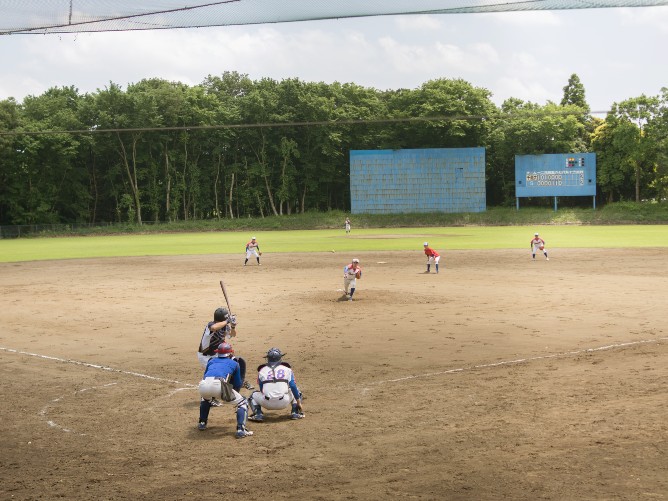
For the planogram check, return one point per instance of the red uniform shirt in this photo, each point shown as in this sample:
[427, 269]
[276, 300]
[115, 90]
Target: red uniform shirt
[430, 252]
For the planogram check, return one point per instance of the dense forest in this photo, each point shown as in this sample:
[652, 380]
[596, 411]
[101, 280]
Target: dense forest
[232, 147]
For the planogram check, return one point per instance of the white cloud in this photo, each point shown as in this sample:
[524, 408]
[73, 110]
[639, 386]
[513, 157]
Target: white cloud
[419, 23]
[529, 90]
[527, 18]
[642, 18]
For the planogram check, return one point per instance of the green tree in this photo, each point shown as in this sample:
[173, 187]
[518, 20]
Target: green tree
[574, 94]
[51, 176]
[628, 120]
[525, 128]
[657, 135]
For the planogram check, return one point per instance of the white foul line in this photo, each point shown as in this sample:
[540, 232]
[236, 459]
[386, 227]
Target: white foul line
[518, 361]
[95, 366]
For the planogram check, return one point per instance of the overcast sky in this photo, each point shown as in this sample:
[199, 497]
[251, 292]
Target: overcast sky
[617, 53]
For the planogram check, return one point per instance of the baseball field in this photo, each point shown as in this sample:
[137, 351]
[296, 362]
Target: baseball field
[498, 378]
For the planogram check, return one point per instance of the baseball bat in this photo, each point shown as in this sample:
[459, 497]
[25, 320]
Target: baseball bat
[227, 298]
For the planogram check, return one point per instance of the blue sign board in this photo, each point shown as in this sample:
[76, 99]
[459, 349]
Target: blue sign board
[555, 175]
[448, 180]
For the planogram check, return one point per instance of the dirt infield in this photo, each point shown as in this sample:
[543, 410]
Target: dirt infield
[499, 378]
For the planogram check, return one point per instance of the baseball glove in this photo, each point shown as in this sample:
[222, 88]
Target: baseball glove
[358, 274]
[259, 252]
[542, 247]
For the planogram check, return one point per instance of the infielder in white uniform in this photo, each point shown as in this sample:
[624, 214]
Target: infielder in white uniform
[278, 389]
[538, 244]
[351, 272]
[253, 249]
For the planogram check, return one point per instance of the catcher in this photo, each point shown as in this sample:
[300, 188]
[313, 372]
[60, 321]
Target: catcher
[538, 244]
[222, 328]
[351, 272]
[222, 380]
[253, 249]
[278, 389]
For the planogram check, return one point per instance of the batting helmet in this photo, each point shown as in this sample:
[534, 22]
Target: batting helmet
[220, 314]
[224, 349]
[274, 355]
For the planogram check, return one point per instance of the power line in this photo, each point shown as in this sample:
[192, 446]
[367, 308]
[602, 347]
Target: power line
[327, 123]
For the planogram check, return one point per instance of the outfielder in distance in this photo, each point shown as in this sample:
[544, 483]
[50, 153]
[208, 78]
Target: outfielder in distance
[253, 249]
[347, 224]
[222, 380]
[278, 388]
[538, 244]
[351, 272]
[220, 330]
[433, 257]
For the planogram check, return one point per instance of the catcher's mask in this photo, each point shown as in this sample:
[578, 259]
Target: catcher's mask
[220, 314]
[224, 350]
[274, 355]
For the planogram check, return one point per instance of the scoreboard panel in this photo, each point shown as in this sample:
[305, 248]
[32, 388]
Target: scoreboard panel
[555, 175]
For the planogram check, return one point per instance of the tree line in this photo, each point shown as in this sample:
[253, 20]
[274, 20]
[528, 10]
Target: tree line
[232, 147]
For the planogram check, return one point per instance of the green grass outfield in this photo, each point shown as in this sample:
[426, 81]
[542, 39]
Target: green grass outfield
[385, 239]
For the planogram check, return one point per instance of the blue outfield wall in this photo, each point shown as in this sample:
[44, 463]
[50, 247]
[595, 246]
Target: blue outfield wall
[421, 180]
[555, 175]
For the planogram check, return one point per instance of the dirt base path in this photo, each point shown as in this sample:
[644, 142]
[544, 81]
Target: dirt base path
[498, 378]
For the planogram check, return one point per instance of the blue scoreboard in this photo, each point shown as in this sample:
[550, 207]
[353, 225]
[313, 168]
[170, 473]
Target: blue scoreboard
[555, 175]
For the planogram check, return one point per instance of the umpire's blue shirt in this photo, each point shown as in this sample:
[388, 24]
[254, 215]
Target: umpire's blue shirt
[223, 367]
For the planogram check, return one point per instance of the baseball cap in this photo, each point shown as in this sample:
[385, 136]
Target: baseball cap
[426, 243]
[535, 234]
[355, 260]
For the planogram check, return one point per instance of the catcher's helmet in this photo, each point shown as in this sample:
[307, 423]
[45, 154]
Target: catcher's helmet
[220, 314]
[224, 349]
[274, 355]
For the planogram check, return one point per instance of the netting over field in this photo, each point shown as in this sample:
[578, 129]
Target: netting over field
[72, 16]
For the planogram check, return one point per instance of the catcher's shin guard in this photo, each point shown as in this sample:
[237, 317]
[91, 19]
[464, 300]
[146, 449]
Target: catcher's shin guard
[204, 408]
[242, 413]
[256, 411]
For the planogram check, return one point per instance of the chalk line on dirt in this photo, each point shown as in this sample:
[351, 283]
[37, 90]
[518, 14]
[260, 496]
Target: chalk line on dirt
[42, 413]
[96, 366]
[516, 361]
[376, 383]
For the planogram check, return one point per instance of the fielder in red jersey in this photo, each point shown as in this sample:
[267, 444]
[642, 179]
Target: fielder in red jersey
[433, 257]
